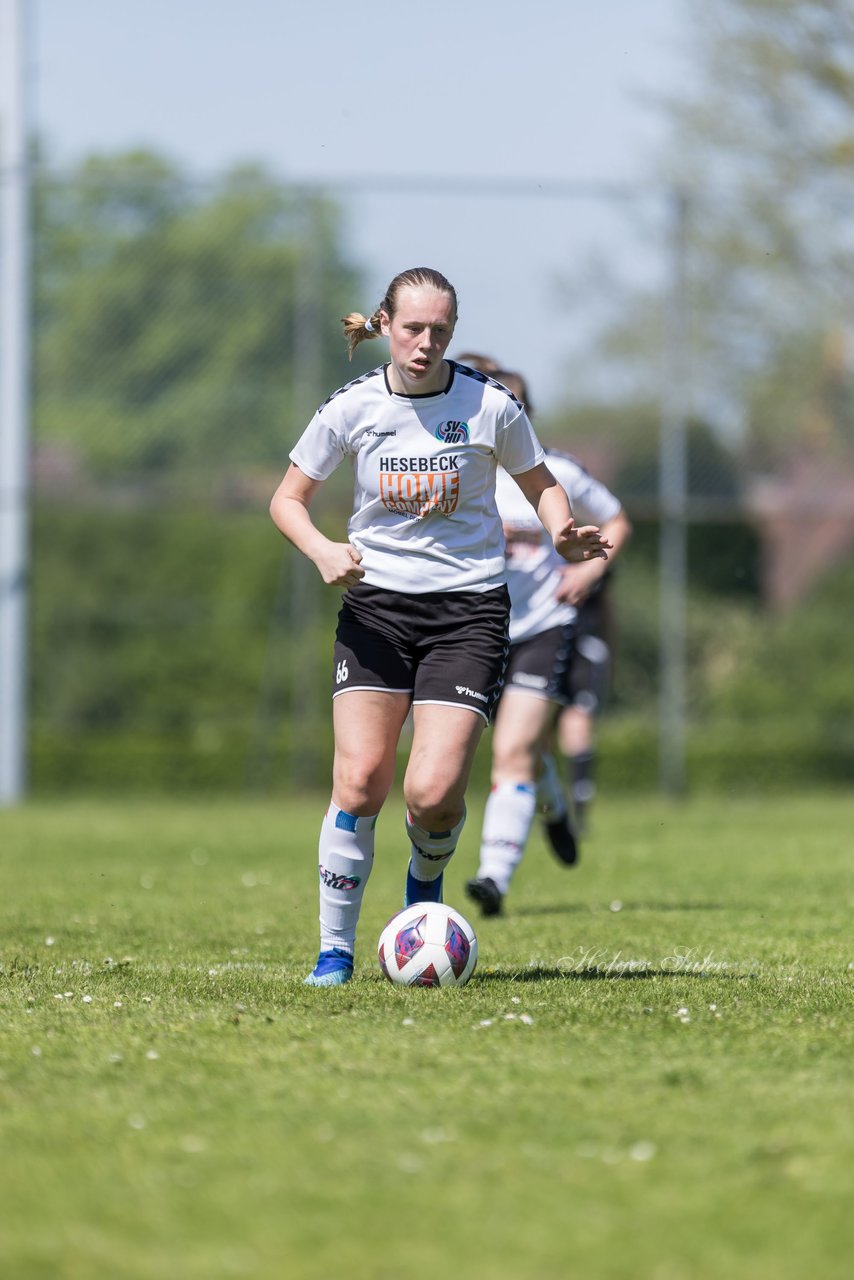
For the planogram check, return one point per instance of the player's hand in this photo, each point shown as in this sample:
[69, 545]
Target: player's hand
[339, 564]
[586, 543]
[577, 581]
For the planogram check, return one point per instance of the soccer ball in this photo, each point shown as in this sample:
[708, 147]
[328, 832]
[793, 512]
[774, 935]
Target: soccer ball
[428, 945]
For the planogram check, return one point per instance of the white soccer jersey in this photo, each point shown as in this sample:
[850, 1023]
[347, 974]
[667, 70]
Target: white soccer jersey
[424, 515]
[534, 568]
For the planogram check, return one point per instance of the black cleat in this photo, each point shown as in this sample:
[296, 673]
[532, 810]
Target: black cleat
[487, 895]
[562, 840]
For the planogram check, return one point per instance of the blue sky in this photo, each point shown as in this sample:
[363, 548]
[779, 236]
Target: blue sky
[542, 92]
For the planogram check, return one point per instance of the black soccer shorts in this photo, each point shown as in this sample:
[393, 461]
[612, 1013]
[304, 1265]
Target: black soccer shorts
[587, 677]
[445, 647]
[539, 664]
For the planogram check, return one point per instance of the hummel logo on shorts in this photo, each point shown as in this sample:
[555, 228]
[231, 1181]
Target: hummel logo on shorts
[470, 693]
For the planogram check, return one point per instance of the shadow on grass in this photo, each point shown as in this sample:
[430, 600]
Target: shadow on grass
[592, 974]
[582, 908]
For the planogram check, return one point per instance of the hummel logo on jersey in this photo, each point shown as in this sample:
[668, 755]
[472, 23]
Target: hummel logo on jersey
[453, 432]
[381, 435]
[470, 693]
[334, 880]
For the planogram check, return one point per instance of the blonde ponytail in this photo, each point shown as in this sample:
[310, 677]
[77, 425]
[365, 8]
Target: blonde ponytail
[359, 328]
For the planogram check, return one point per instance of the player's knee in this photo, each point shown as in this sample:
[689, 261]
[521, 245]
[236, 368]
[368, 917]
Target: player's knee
[433, 807]
[514, 762]
[360, 787]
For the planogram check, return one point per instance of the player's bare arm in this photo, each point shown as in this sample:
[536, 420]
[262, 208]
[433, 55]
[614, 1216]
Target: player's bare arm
[551, 504]
[336, 562]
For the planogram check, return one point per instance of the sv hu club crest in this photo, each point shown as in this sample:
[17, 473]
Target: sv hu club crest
[453, 432]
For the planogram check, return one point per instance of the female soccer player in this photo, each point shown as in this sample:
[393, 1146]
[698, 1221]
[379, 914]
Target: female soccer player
[542, 620]
[423, 623]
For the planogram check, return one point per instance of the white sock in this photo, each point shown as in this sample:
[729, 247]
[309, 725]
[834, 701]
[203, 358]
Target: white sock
[551, 800]
[430, 851]
[506, 824]
[345, 857]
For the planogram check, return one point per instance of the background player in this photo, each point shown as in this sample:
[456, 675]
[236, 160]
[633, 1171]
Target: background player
[543, 611]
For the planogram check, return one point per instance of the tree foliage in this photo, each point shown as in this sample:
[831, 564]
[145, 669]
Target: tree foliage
[762, 143]
[765, 141]
[181, 325]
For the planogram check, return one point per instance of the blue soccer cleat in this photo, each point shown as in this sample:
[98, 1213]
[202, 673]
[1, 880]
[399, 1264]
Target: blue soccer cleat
[332, 969]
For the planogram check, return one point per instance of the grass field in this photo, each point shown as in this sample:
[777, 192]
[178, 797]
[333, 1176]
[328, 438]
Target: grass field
[648, 1078]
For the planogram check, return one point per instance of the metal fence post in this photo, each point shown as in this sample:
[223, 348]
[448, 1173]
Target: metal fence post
[673, 495]
[14, 409]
